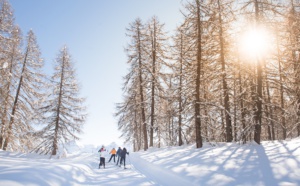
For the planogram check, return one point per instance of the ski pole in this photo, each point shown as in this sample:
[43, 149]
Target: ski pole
[130, 162]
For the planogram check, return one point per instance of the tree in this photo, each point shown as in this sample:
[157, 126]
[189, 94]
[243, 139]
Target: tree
[30, 84]
[133, 109]
[181, 72]
[156, 50]
[7, 43]
[10, 75]
[222, 53]
[64, 111]
[293, 35]
[194, 19]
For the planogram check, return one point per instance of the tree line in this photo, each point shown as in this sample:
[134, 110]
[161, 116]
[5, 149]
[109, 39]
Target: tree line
[38, 112]
[198, 85]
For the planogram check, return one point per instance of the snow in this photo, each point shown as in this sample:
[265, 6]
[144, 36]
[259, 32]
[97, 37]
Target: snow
[223, 164]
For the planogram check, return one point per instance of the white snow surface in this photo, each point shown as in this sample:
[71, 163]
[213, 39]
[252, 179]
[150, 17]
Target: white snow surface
[224, 164]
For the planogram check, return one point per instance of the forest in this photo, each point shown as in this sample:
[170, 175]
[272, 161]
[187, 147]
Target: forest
[38, 111]
[230, 72]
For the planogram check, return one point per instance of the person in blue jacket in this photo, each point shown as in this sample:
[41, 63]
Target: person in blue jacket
[119, 155]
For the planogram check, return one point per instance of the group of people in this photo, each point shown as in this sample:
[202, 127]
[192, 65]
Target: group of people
[120, 153]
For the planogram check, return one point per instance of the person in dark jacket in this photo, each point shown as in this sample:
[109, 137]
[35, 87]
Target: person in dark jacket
[123, 157]
[119, 155]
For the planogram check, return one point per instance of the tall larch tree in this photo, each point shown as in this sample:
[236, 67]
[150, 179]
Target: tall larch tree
[6, 29]
[194, 18]
[222, 26]
[27, 94]
[293, 34]
[65, 110]
[182, 73]
[11, 74]
[133, 109]
[156, 51]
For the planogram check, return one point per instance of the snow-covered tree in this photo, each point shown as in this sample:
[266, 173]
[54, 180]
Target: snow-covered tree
[6, 45]
[181, 73]
[10, 75]
[132, 111]
[64, 109]
[27, 94]
[156, 58]
[214, 92]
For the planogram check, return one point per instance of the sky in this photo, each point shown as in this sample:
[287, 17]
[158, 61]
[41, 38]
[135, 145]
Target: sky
[273, 163]
[94, 31]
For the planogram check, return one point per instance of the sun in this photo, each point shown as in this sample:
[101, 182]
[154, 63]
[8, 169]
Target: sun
[255, 43]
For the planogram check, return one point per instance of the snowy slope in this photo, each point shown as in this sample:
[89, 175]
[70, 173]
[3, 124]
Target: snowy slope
[269, 164]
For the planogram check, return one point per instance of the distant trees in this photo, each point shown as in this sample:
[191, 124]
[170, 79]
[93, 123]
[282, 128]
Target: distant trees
[212, 90]
[24, 93]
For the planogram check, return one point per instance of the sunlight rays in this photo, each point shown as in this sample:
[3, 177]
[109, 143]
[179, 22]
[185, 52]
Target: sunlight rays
[255, 43]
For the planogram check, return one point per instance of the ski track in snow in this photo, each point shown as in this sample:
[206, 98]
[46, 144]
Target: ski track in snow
[158, 175]
[82, 169]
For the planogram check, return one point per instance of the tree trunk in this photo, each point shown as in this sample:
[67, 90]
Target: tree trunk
[234, 108]
[152, 114]
[180, 93]
[144, 126]
[241, 100]
[258, 113]
[298, 94]
[55, 140]
[229, 136]
[197, 91]
[268, 109]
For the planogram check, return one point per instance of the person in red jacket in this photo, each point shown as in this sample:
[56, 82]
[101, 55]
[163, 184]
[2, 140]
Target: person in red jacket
[113, 154]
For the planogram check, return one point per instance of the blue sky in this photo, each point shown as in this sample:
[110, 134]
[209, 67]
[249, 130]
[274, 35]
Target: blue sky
[94, 31]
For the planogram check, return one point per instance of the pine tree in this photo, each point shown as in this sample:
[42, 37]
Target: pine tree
[222, 52]
[30, 84]
[132, 112]
[194, 19]
[64, 111]
[6, 40]
[10, 75]
[293, 34]
[181, 71]
[156, 52]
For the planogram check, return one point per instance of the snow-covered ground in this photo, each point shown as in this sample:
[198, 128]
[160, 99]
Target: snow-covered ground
[270, 164]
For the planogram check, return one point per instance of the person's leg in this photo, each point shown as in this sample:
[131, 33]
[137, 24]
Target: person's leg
[118, 160]
[110, 158]
[114, 158]
[100, 163]
[121, 161]
[124, 161]
[103, 161]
